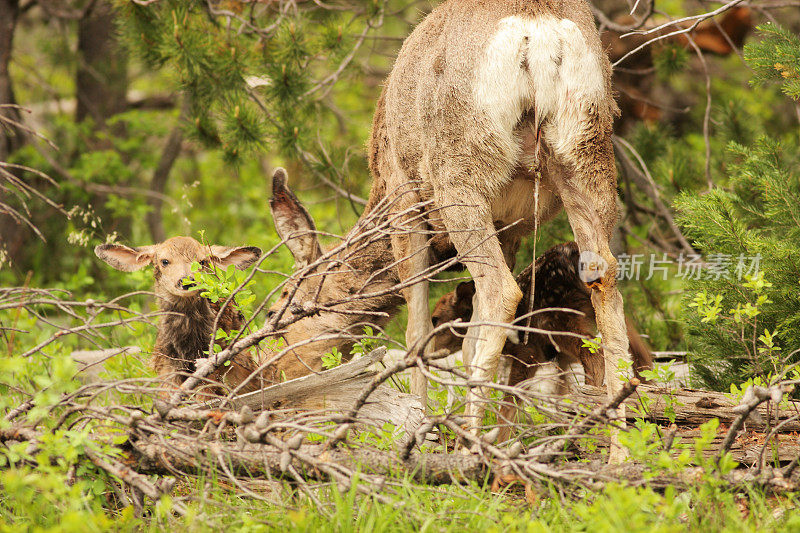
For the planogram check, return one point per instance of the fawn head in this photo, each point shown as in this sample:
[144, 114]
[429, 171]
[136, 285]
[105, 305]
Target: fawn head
[453, 305]
[172, 260]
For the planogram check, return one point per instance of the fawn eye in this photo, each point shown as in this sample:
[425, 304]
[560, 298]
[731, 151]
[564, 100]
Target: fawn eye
[204, 263]
[164, 262]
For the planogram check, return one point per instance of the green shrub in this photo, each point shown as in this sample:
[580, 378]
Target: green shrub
[747, 324]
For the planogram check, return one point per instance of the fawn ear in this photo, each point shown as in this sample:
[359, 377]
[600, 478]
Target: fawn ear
[124, 257]
[241, 256]
[463, 302]
[293, 222]
[465, 291]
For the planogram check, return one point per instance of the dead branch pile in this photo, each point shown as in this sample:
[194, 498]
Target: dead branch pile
[310, 430]
[352, 426]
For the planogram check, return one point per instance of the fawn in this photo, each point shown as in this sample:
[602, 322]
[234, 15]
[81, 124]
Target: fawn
[558, 286]
[185, 331]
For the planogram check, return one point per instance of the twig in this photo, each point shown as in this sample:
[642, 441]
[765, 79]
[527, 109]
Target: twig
[545, 453]
[753, 397]
[131, 478]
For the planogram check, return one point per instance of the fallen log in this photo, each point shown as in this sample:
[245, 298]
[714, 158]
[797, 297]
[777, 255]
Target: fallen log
[746, 449]
[336, 390]
[157, 456]
[692, 407]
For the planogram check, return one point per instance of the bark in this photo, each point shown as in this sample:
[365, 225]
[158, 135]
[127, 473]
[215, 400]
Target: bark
[102, 80]
[101, 86]
[693, 407]
[337, 390]
[157, 456]
[158, 184]
[12, 234]
[11, 137]
[747, 447]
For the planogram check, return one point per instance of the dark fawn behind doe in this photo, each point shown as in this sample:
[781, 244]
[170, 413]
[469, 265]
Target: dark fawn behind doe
[186, 329]
[559, 288]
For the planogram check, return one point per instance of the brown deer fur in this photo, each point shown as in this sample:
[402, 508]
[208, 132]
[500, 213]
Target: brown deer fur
[186, 328]
[337, 284]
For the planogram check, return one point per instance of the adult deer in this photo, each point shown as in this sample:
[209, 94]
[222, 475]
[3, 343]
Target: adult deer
[493, 107]
[497, 113]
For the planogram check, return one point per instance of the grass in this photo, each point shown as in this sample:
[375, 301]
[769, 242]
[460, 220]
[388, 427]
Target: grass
[35, 503]
[474, 508]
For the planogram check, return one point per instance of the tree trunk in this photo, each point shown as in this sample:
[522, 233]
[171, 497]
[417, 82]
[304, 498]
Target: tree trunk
[102, 81]
[101, 87]
[158, 183]
[11, 137]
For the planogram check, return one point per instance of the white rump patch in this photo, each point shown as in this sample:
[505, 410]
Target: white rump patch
[545, 62]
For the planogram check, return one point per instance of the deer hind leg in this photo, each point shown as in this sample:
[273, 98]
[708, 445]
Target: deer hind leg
[510, 246]
[507, 417]
[410, 248]
[588, 216]
[466, 215]
[581, 140]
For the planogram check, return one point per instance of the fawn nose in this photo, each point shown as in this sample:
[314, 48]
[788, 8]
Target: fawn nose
[187, 283]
